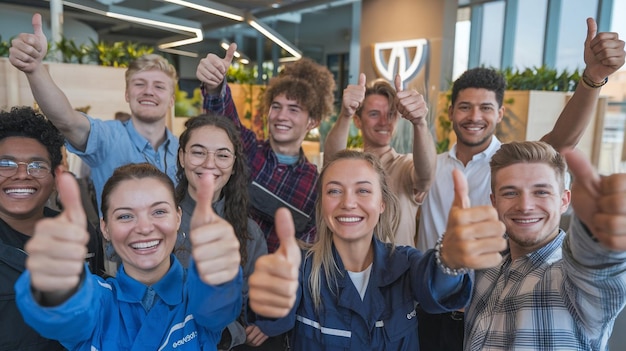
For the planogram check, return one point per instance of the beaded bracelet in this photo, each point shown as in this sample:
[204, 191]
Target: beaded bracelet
[445, 269]
[591, 84]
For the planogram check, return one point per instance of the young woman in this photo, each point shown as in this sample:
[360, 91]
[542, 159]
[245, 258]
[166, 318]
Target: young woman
[356, 291]
[211, 145]
[152, 303]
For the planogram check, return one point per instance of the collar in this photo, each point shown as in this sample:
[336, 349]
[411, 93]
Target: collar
[388, 156]
[546, 254]
[169, 288]
[494, 146]
[271, 155]
[141, 143]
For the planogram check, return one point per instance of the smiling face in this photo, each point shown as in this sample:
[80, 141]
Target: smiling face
[23, 196]
[150, 95]
[352, 200]
[209, 139]
[529, 200]
[474, 117]
[288, 125]
[377, 122]
[142, 222]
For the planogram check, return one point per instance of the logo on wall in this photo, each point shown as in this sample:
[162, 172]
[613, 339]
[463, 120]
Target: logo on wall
[406, 57]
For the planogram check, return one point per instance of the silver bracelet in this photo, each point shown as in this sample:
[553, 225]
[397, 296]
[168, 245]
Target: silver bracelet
[445, 269]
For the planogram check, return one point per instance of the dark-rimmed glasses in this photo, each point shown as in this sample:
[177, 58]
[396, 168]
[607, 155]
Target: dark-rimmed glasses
[198, 155]
[37, 169]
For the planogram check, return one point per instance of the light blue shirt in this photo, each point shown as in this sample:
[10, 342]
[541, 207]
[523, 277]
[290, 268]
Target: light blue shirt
[112, 144]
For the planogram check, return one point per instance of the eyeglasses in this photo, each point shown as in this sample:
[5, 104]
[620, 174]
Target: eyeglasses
[37, 169]
[198, 155]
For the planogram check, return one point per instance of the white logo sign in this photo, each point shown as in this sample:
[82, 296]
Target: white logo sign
[399, 59]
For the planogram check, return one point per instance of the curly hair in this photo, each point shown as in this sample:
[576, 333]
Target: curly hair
[480, 78]
[235, 190]
[23, 121]
[306, 82]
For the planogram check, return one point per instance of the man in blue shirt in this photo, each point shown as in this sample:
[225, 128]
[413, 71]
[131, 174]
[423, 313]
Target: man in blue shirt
[104, 146]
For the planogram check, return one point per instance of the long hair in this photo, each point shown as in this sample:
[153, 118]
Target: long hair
[321, 252]
[235, 191]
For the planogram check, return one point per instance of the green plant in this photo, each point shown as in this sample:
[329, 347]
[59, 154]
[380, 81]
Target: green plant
[187, 106]
[117, 54]
[541, 78]
[4, 47]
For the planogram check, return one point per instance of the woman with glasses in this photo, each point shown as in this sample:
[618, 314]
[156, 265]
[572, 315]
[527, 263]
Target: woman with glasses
[211, 145]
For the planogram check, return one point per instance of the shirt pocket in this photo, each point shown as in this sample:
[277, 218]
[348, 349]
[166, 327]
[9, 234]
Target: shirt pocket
[401, 323]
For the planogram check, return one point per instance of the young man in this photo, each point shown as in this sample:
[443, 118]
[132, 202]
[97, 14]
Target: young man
[296, 102]
[476, 108]
[30, 152]
[375, 110]
[104, 146]
[553, 290]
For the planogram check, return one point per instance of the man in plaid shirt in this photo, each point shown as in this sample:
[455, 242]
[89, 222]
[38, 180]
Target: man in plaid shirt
[281, 176]
[553, 291]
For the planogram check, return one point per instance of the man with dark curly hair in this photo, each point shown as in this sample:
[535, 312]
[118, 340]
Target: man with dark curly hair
[30, 152]
[296, 101]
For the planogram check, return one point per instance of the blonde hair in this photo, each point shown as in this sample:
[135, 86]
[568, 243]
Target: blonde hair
[321, 252]
[383, 88]
[151, 62]
[528, 152]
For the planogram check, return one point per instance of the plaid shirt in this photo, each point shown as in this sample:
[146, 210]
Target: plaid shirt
[273, 184]
[556, 298]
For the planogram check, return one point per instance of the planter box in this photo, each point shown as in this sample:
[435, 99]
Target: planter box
[101, 88]
[529, 115]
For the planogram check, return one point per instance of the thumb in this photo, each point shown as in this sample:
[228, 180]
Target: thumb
[69, 194]
[592, 29]
[230, 53]
[362, 79]
[582, 170]
[398, 82]
[461, 191]
[286, 233]
[203, 212]
[37, 27]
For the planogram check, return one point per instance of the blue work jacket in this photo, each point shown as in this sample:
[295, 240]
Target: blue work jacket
[385, 319]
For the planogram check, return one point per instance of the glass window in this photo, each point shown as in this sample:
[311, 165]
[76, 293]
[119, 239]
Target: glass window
[529, 33]
[492, 34]
[573, 31]
[617, 21]
[461, 42]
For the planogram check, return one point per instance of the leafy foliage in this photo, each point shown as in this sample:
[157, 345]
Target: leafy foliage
[541, 78]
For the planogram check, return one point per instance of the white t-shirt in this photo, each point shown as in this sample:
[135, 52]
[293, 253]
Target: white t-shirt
[360, 280]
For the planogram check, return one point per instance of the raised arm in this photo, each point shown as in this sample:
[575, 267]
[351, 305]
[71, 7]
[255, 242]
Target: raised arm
[604, 54]
[412, 107]
[337, 138]
[26, 54]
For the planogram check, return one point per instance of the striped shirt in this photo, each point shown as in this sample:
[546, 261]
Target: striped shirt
[273, 184]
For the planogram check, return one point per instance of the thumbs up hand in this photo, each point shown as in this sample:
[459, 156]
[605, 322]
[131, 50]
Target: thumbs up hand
[411, 104]
[274, 283]
[604, 52]
[212, 69]
[474, 235]
[28, 50]
[214, 246]
[353, 96]
[599, 202]
[57, 250]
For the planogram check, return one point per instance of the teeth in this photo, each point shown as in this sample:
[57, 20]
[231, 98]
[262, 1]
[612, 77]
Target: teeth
[282, 127]
[145, 245]
[147, 103]
[525, 221]
[474, 129]
[349, 219]
[20, 191]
